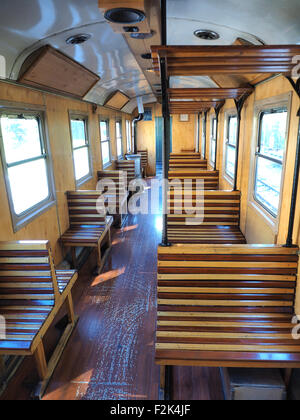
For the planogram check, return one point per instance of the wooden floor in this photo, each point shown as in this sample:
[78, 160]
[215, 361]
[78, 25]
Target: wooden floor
[111, 353]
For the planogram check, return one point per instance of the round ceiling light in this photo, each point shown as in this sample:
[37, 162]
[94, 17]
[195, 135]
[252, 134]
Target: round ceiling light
[206, 34]
[124, 15]
[78, 39]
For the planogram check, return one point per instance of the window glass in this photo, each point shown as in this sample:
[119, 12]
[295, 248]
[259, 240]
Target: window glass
[81, 148]
[105, 142]
[119, 139]
[230, 152]
[26, 164]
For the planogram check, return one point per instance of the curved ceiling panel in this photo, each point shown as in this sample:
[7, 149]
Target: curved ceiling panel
[52, 22]
[275, 22]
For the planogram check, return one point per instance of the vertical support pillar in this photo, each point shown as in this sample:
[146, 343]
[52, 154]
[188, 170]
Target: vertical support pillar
[217, 111]
[166, 123]
[289, 240]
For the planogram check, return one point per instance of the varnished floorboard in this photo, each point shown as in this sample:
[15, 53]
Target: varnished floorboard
[111, 353]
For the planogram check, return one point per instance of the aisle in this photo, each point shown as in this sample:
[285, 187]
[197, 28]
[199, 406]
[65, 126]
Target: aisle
[111, 353]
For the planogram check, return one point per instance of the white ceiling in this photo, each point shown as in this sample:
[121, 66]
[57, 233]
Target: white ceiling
[25, 25]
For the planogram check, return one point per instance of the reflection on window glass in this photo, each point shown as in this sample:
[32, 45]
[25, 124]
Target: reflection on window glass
[128, 136]
[80, 145]
[269, 159]
[230, 144]
[119, 139]
[25, 161]
[213, 142]
[105, 142]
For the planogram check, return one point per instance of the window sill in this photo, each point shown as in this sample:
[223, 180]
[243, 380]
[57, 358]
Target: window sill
[26, 220]
[270, 220]
[82, 181]
[107, 165]
[228, 179]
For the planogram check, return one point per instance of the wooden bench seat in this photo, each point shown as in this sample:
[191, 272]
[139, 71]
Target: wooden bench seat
[210, 178]
[228, 305]
[200, 164]
[87, 228]
[218, 221]
[119, 211]
[31, 294]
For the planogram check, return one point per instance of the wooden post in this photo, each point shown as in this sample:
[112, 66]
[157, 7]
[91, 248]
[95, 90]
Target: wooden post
[289, 240]
[41, 363]
[166, 119]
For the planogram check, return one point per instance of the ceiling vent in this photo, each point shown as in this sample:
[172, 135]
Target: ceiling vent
[78, 39]
[207, 34]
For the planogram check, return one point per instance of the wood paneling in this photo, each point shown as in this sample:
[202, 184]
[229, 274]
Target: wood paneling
[51, 224]
[50, 69]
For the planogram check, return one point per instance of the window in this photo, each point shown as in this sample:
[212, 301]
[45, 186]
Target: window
[26, 165]
[230, 145]
[203, 145]
[269, 159]
[105, 142]
[81, 148]
[119, 139]
[213, 140]
[128, 136]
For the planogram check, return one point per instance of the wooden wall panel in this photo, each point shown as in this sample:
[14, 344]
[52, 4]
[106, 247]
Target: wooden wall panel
[52, 223]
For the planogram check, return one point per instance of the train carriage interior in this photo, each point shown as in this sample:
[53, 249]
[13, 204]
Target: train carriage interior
[150, 204]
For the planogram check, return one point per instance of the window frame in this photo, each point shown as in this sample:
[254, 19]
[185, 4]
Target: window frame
[281, 101]
[84, 117]
[128, 141]
[258, 154]
[119, 121]
[108, 140]
[230, 114]
[203, 138]
[19, 221]
[213, 139]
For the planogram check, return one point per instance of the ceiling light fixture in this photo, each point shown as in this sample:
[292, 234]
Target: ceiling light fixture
[78, 39]
[146, 56]
[143, 36]
[124, 15]
[206, 34]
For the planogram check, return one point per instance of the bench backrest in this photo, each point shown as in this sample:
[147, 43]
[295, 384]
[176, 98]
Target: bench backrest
[128, 166]
[185, 155]
[220, 208]
[188, 164]
[83, 208]
[119, 178]
[210, 178]
[228, 278]
[27, 274]
[144, 159]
